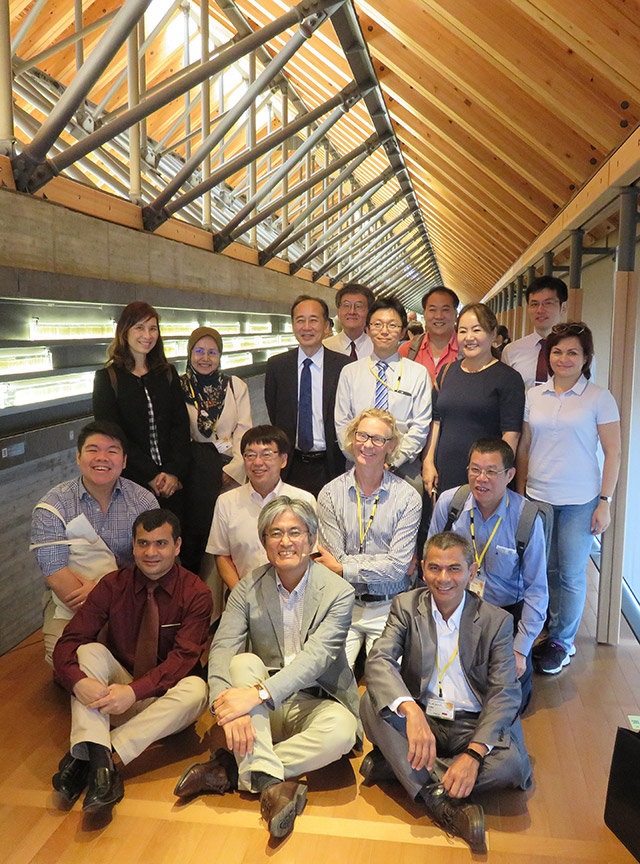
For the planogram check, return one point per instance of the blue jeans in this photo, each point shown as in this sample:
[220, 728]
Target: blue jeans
[571, 543]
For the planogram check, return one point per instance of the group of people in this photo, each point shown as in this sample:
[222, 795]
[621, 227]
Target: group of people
[318, 525]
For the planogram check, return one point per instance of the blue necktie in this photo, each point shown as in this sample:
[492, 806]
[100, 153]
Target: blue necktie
[382, 391]
[305, 409]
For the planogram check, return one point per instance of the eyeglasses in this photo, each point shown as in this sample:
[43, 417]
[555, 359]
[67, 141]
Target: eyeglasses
[489, 473]
[266, 455]
[392, 326]
[546, 304]
[202, 352]
[279, 533]
[378, 440]
[569, 329]
[359, 307]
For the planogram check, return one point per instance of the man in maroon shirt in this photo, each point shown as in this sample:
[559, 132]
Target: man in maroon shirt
[143, 681]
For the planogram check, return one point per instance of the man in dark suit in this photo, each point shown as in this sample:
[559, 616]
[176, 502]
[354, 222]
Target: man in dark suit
[291, 705]
[442, 699]
[300, 391]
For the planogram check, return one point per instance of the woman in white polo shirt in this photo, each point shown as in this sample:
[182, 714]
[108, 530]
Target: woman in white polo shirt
[558, 463]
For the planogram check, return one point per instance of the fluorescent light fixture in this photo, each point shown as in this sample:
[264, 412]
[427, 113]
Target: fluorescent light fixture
[174, 348]
[257, 326]
[232, 361]
[169, 328]
[40, 330]
[36, 390]
[16, 360]
[273, 351]
[228, 327]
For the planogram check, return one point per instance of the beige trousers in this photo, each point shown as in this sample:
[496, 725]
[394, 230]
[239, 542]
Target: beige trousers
[302, 735]
[145, 722]
[52, 627]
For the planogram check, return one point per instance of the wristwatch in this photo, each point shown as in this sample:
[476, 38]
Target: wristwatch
[263, 694]
[606, 498]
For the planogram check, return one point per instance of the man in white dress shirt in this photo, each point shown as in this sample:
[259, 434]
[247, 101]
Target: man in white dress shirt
[353, 301]
[546, 306]
[442, 695]
[395, 384]
[234, 536]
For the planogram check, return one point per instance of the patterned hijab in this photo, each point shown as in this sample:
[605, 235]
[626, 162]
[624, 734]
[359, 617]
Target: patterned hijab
[206, 392]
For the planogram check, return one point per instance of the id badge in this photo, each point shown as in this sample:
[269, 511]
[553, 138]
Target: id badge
[477, 585]
[440, 708]
[223, 445]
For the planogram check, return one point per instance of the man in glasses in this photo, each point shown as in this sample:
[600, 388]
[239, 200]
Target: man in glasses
[368, 524]
[389, 382]
[353, 301]
[512, 569]
[234, 538]
[291, 705]
[546, 306]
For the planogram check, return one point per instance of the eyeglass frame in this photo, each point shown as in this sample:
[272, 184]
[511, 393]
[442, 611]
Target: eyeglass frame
[476, 472]
[285, 532]
[368, 437]
[267, 455]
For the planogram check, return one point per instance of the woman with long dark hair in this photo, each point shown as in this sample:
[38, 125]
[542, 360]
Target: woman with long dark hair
[140, 391]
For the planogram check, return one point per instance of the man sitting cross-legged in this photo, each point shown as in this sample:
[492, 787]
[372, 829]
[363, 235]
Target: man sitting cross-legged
[442, 695]
[144, 680]
[291, 705]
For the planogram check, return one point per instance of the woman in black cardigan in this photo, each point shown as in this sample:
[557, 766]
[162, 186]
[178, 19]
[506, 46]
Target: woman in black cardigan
[140, 391]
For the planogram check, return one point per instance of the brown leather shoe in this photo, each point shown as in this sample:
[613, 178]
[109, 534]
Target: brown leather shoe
[280, 804]
[218, 775]
[458, 816]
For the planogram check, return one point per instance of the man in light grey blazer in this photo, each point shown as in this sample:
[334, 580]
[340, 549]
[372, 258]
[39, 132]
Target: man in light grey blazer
[291, 705]
[442, 699]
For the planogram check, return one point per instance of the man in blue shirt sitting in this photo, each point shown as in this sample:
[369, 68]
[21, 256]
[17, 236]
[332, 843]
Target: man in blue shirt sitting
[489, 520]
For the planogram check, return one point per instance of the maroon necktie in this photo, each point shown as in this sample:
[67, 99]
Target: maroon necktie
[353, 354]
[542, 370]
[147, 644]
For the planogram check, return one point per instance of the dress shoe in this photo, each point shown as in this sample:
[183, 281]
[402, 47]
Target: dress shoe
[280, 804]
[218, 775]
[71, 777]
[458, 816]
[105, 788]
[375, 769]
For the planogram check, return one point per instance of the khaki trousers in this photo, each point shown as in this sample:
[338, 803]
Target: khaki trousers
[52, 627]
[300, 736]
[145, 722]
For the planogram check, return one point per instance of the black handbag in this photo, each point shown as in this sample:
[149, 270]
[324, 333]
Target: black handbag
[622, 807]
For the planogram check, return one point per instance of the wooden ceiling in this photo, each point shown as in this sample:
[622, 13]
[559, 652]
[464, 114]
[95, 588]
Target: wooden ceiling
[502, 108]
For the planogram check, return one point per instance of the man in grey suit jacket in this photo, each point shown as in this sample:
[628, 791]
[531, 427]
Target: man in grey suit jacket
[291, 705]
[442, 699]
[308, 422]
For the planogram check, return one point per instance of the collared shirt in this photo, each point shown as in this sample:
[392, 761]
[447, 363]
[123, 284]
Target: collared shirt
[292, 606]
[381, 567]
[563, 457]
[425, 354]
[184, 608]
[317, 363]
[522, 355]
[70, 499]
[506, 581]
[234, 528]
[409, 401]
[341, 343]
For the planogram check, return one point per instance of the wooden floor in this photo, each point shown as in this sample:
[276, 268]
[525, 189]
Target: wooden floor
[569, 732]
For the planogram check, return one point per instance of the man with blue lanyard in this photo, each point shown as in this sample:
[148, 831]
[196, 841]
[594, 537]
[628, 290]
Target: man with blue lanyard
[489, 520]
[368, 523]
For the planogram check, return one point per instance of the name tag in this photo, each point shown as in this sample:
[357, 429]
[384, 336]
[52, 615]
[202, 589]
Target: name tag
[440, 708]
[477, 585]
[223, 445]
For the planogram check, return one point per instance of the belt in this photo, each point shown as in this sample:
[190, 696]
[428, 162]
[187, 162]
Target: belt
[374, 598]
[311, 456]
[316, 692]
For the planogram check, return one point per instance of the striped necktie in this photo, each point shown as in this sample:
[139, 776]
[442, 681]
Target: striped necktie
[382, 391]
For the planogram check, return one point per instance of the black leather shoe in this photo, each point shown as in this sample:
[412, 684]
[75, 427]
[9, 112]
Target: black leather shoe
[105, 788]
[457, 816]
[375, 769]
[218, 775]
[71, 777]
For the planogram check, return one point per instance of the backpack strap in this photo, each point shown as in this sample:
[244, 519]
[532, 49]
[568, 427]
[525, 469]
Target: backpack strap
[525, 527]
[416, 342]
[457, 503]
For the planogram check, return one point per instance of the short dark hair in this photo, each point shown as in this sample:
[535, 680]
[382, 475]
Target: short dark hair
[449, 540]
[301, 299]
[355, 288]
[389, 301]
[266, 434]
[415, 328]
[550, 282]
[581, 332]
[440, 289]
[152, 519]
[494, 445]
[102, 427]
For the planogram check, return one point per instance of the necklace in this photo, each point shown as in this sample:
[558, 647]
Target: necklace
[481, 369]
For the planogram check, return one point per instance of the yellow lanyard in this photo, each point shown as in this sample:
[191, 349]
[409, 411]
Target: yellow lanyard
[441, 674]
[364, 533]
[382, 381]
[480, 558]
